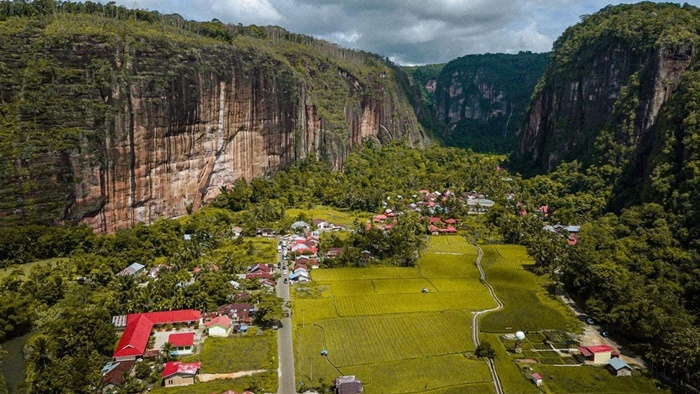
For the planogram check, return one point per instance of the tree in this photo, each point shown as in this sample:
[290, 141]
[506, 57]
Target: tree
[485, 350]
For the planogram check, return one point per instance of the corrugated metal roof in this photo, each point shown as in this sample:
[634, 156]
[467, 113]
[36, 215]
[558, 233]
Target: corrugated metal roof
[618, 364]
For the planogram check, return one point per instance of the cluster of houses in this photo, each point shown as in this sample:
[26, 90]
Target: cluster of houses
[596, 355]
[263, 273]
[136, 343]
[570, 232]
[302, 248]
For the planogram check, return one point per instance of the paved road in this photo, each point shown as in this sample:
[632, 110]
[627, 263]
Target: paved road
[285, 349]
[475, 320]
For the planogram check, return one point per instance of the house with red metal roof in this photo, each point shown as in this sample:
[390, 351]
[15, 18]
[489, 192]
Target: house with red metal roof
[134, 341]
[182, 342]
[176, 373]
[600, 354]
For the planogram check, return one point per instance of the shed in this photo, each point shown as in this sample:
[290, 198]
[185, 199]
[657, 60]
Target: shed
[619, 367]
[536, 379]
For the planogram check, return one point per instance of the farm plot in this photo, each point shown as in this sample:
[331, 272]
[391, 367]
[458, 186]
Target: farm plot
[409, 303]
[433, 265]
[527, 310]
[336, 274]
[365, 340]
[400, 286]
[311, 310]
[425, 374]
[512, 252]
[450, 244]
[471, 286]
[345, 288]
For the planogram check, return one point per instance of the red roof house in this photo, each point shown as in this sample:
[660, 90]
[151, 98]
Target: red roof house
[240, 313]
[379, 218]
[433, 229]
[138, 329]
[176, 373]
[183, 339]
[450, 221]
[600, 354]
[434, 220]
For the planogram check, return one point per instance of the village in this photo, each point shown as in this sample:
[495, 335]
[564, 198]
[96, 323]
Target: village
[172, 340]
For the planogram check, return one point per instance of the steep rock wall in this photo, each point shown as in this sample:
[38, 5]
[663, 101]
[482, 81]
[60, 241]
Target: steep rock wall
[140, 130]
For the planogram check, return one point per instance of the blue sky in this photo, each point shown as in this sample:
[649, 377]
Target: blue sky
[406, 31]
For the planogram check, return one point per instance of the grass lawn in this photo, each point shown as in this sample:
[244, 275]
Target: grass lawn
[331, 215]
[365, 340]
[233, 354]
[590, 379]
[264, 382]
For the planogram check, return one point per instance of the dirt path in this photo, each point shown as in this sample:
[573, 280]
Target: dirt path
[207, 377]
[475, 319]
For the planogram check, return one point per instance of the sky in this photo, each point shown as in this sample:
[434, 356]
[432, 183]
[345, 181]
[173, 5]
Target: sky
[409, 32]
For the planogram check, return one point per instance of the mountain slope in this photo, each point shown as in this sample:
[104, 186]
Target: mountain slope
[606, 85]
[112, 116]
[483, 98]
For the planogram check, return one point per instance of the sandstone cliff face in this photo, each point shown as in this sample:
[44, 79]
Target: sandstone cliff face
[568, 113]
[158, 133]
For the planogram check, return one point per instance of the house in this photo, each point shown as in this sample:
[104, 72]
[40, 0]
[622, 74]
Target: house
[600, 354]
[347, 385]
[435, 220]
[239, 313]
[333, 252]
[320, 224]
[301, 277]
[267, 268]
[134, 341]
[450, 222]
[379, 218]
[619, 367]
[113, 375]
[433, 230]
[449, 230]
[177, 373]
[236, 231]
[536, 379]
[219, 326]
[300, 226]
[131, 270]
[479, 206]
[266, 232]
[182, 343]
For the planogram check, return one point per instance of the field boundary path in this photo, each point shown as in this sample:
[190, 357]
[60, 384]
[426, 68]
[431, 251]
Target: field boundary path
[476, 314]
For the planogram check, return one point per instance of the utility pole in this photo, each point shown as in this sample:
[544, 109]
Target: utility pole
[311, 368]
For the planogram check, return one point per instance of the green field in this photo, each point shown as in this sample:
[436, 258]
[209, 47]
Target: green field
[528, 306]
[377, 324]
[26, 268]
[252, 352]
[331, 215]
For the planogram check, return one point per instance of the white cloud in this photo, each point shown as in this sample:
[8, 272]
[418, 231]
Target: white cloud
[409, 31]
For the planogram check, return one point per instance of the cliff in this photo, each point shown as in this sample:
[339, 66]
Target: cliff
[112, 121]
[483, 98]
[606, 85]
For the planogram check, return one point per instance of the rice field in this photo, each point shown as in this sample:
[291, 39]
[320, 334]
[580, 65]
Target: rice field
[367, 340]
[378, 324]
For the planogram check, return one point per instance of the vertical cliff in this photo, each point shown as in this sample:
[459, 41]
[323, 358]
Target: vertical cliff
[112, 122]
[483, 98]
[606, 84]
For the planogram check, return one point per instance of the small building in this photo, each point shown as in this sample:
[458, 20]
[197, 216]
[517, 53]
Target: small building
[479, 206]
[536, 379]
[132, 270]
[600, 354]
[334, 252]
[113, 375]
[183, 343]
[347, 385]
[619, 367]
[219, 326]
[300, 226]
[177, 373]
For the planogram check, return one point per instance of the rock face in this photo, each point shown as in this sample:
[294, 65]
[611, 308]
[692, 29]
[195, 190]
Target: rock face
[151, 127]
[483, 98]
[607, 83]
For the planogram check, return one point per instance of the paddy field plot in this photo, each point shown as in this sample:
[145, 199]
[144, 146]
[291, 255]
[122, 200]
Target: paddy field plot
[378, 324]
